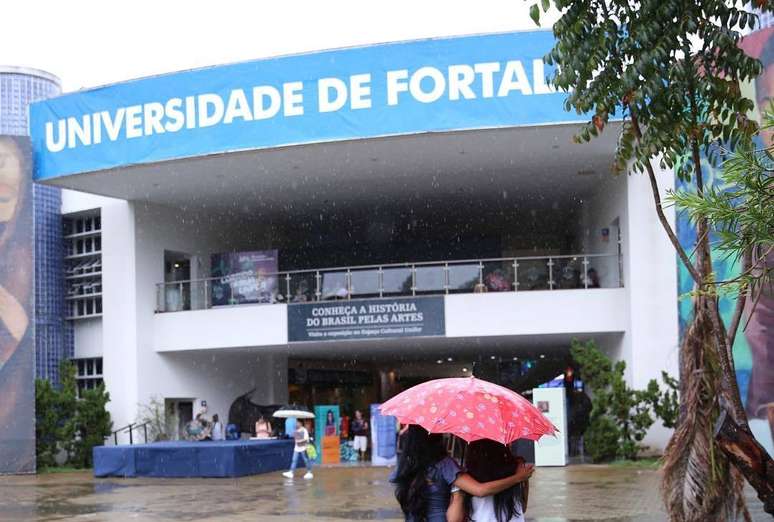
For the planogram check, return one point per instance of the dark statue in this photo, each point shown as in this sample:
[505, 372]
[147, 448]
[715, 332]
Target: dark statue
[244, 413]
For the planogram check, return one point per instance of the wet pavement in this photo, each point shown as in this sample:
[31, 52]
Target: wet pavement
[578, 492]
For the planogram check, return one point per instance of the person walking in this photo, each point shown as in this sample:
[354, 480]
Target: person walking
[301, 436]
[487, 460]
[360, 431]
[426, 474]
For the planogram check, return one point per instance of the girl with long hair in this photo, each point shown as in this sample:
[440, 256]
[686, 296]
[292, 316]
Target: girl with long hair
[488, 461]
[426, 474]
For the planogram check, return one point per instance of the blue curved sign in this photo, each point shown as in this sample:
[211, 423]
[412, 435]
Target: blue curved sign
[436, 85]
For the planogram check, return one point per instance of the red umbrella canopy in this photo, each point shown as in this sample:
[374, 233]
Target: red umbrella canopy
[471, 409]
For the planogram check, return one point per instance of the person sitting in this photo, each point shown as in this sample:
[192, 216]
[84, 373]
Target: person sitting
[263, 428]
[216, 433]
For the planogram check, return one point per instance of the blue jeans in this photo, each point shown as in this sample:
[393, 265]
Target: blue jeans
[294, 462]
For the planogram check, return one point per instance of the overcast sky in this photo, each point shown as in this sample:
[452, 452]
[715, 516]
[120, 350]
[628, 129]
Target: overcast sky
[91, 43]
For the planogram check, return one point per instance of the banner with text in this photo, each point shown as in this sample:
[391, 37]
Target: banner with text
[244, 277]
[459, 83]
[366, 319]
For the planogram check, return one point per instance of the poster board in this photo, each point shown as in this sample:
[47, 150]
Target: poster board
[384, 438]
[244, 277]
[552, 451]
[326, 433]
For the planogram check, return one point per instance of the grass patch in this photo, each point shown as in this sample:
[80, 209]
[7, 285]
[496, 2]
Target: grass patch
[643, 463]
[60, 469]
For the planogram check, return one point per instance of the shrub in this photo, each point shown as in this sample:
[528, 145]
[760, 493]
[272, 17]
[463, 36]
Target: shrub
[620, 416]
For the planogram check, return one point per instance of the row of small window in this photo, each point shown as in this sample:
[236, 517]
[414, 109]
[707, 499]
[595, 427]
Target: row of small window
[86, 245]
[84, 307]
[88, 373]
[82, 225]
[84, 288]
[85, 266]
[91, 367]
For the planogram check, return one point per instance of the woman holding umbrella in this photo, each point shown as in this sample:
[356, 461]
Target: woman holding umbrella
[471, 409]
[426, 475]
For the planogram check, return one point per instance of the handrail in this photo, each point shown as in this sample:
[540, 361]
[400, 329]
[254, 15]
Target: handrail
[395, 265]
[130, 427]
[195, 294]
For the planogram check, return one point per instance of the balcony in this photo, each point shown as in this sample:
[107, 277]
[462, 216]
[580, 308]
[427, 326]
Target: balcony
[514, 274]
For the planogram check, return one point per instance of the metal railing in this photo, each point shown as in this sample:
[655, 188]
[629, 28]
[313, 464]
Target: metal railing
[509, 274]
[130, 428]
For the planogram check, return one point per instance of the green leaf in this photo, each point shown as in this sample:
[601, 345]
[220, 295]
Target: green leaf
[546, 5]
[534, 13]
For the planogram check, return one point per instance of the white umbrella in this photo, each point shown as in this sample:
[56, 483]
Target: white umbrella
[293, 412]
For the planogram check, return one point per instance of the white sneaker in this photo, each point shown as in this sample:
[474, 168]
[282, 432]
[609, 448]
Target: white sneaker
[308, 475]
[288, 474]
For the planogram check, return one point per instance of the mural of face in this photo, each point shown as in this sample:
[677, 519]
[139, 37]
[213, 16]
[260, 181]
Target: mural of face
[11, 178]
[764, 94]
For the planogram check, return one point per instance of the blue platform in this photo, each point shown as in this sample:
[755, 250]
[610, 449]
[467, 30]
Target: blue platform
[231, 458]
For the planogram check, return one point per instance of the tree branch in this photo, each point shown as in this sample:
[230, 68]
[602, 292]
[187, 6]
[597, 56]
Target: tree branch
[660, 211]
[740, 302]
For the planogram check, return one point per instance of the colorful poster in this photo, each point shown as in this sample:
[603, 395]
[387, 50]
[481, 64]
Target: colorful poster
[754, 347]
[366, 319]
[244, 277]
[17, 342]
[326, 433]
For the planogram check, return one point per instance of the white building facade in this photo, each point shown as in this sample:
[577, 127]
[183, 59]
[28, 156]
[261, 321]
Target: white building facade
[446, 165]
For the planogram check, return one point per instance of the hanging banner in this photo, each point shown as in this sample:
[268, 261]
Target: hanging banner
[366, 319]
[470, 82]
[244, 277]
[17, 341]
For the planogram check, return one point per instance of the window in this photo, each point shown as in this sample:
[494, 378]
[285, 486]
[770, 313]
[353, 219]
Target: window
[88, 373]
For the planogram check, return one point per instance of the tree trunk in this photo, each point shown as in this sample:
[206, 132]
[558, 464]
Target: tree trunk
[747, 455]
[698, 484]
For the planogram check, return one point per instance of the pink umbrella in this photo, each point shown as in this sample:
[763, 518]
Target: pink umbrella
[471, 409]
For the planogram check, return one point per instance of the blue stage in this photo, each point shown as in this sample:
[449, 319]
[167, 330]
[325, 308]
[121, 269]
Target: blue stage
[230, 458]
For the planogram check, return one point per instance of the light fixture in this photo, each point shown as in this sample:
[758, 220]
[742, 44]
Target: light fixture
[493, 357]
[177, 265]
[439, 361]
[464, 370]
[449, 359]
[515, 358]
[542, 356]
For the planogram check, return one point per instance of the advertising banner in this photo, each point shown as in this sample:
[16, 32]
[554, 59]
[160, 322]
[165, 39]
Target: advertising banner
[244, 277]
[366, 319]
[552, 451]
[470, 82]
[326, 433]
[17, 341]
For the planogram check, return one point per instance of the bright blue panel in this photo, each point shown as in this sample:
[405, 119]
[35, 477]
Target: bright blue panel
[450, 84]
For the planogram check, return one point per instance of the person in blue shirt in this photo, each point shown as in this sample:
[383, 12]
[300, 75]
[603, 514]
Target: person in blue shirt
[426, 474]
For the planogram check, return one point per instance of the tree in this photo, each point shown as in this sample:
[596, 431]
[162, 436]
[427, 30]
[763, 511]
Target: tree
[154, 415]
[620, 416]
[671, 71]
[46, 424]
[93, 424]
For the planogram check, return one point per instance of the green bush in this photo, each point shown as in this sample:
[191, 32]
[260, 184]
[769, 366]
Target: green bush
[67, 424]
[620, 416]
